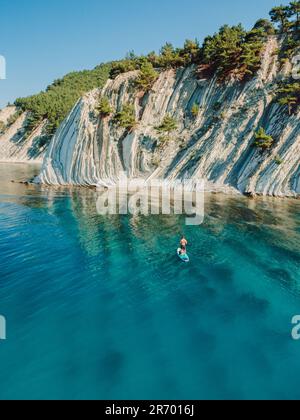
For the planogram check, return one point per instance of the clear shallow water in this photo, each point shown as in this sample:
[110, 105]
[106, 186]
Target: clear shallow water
[102, 308]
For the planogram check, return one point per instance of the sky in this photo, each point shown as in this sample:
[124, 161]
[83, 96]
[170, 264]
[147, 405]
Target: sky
[43, 40]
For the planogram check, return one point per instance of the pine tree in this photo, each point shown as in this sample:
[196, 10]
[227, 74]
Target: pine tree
[121, 67]
[266, 26]
[126, 118]
[223, 49]
[281, 15]
[250, 58]
[263, 140]
[168, 125]
[153, 58]
[170, 57]
[190, 52]
[289, 95]
[104, 108]
[147, 77]
[295, 11]
[235, 51]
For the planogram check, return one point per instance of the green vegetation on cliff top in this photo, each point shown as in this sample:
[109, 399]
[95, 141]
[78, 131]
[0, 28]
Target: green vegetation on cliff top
[58, 100]
[232, 51]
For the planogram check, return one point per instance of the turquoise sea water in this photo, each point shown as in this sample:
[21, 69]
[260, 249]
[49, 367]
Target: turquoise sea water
[102, 308]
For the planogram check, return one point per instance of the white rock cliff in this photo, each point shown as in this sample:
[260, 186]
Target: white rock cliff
[15, 146]
[216, 146]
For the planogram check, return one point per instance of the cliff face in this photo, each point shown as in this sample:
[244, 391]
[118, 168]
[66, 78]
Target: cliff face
[217, 145]
[15, 146]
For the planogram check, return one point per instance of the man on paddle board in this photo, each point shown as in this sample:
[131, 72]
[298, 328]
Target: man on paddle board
[183, 244]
